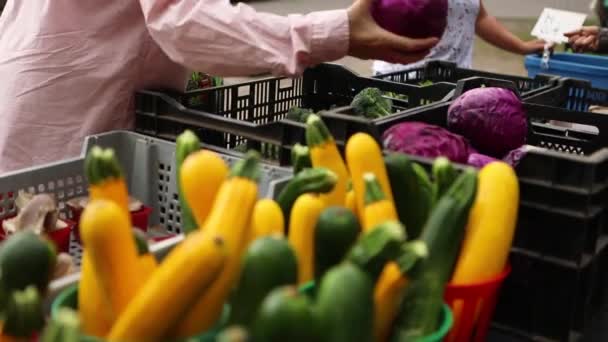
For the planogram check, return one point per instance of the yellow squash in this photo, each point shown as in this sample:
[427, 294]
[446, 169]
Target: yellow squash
[106, 182]
[378, 209]
[93, 304]
[230, 219]
[491, 225]
[351, 202]
[392, 285]
[7, 338]
[267, 219]
[363, 155]
[201, 176]
[147, 265]
[324, 153]
[304, 217]
[490, 229]
[183, 276]
[106, 178]
[105, 230]
[388, 293]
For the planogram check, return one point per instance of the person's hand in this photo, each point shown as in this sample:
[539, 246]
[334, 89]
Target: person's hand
[369, 41]
[534, 46]
[585, 39]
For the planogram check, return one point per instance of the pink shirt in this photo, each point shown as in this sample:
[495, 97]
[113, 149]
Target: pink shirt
[68, 68]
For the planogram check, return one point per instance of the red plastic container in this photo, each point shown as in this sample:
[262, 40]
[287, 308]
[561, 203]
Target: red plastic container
[473, 306]
[139, 218]
[61, 237]
[162, 238]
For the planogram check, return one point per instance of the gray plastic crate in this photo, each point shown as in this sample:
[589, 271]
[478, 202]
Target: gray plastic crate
[149, 165]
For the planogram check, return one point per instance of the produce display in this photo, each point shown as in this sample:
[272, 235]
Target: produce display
[374, 238]
[484, 125]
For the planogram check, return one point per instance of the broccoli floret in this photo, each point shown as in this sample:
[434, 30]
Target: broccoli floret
[299, 114]
[370, 104]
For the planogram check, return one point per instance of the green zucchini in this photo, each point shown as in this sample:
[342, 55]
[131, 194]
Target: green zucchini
[300, 158]
[336, 231]
[63, 327]
[380, 245]
[315, 180]
[411, 254]
[285, 315]
[412, 192]
[141, 242]
[444, 175]
[27, 259]
[268, 263]
[442, 234]
[344, 306]
[186, 144]
[23, 315]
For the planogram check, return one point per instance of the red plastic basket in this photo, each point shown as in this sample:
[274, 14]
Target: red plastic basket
[473, 306]
[61, 237]
[139, 219]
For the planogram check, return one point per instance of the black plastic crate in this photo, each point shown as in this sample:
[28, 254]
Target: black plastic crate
[442, 71]
[251, 115]
[572, 94]
[549, 300]
[564, 189]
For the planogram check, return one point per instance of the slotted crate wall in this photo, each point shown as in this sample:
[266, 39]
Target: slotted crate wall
[64, 185]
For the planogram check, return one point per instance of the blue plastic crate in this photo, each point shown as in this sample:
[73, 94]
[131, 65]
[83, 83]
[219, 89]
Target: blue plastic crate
[587, 67]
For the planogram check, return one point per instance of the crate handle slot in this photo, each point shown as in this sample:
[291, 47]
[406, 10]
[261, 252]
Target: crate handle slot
[597, 120]
[477, 82]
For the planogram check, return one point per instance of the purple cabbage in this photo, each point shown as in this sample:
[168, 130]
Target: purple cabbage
[426, 140]
[480, 160]
[412, 18]
[514, 157]
[493, 119]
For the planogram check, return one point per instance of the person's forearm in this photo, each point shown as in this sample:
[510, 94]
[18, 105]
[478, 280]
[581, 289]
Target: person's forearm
[216, 37]
[493, 32]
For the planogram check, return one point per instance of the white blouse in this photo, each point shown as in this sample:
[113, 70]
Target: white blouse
[456, 44]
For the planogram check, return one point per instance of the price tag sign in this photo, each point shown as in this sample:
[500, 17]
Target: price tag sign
[553, 23]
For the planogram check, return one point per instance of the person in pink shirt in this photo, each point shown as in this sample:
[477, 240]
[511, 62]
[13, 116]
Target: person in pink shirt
[69, 68]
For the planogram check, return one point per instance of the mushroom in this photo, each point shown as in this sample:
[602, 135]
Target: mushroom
[36, 212]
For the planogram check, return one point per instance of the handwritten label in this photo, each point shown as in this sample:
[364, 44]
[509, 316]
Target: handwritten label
[553, 23]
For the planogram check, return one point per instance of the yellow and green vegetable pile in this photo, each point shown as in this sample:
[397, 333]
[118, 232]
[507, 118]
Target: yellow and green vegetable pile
[361, 232]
